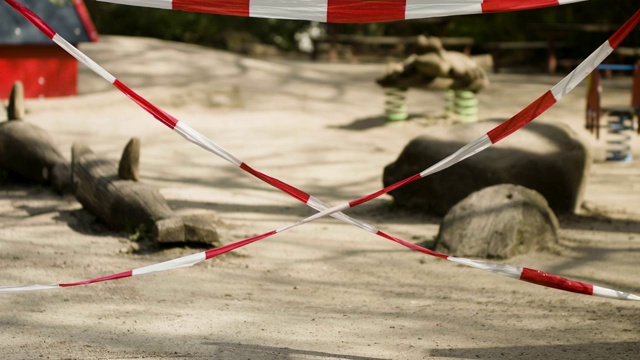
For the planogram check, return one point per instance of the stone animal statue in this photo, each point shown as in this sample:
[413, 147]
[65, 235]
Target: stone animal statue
[430, 62]
[29, 151]
[114, 195]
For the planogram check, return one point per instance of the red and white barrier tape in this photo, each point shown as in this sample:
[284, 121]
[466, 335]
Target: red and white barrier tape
[515, 272]
[498, 133]
[344, 11]
[511, 125]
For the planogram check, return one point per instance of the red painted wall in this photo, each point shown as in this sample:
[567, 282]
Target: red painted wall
[45, 71]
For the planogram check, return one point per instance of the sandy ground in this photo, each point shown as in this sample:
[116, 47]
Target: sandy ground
[325, 290]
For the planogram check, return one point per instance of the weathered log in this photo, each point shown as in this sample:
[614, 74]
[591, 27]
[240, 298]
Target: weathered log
[124, 204]
[29, 151]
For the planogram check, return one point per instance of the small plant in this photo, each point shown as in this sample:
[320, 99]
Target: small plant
[141, 233]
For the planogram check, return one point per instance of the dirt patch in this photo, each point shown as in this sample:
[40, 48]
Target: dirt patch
[325, 290]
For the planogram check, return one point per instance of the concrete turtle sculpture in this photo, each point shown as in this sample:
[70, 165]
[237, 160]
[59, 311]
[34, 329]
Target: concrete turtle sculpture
[29, 151]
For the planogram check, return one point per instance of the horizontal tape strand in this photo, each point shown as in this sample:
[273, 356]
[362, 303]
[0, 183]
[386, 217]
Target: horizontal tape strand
[344, 11]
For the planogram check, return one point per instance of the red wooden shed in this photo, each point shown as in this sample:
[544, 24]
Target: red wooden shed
[29, 56]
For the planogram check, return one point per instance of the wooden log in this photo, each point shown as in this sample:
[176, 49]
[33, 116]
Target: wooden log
[29, 151]
[125, 204]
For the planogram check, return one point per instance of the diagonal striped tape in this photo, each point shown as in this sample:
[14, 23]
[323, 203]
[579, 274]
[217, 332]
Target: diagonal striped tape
[180, 127]
[525, 116]
[344, 11]
[544, 279]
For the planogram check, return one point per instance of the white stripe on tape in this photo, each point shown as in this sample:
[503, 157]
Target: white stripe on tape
[195, 137]
[8, 289]
[81, 57]
[313, 10]
[178, 263]
[581, 71]
[417, 9]
[501, 269]
[160, 4]
[319, 205]
[613, 294]
[470, 149]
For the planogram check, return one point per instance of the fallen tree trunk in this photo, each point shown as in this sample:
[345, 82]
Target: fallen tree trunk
[128, 205]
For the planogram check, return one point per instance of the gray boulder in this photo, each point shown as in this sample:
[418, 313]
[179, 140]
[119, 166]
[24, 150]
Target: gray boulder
[548, 158]
[498, 222]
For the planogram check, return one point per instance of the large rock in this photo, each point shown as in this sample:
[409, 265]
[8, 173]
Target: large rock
[498, 222]
[545, 157]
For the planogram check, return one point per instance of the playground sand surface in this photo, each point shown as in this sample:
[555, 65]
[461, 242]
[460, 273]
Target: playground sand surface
[325, 290]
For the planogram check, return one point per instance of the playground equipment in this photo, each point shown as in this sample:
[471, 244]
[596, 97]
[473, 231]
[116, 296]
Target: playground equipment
[395, 108]
[431, 62]
[463, 105]
[621, 121]
[27, 56]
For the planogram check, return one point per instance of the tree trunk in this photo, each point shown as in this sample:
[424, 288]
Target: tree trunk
[129, 205]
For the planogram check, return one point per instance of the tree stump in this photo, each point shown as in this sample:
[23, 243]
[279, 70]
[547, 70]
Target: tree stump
[125, 204]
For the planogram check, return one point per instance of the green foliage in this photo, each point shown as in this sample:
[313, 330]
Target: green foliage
[218, 30]
[520, 25]
[141, 233]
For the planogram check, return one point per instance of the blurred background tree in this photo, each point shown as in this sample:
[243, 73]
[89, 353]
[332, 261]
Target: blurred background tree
[224, 31]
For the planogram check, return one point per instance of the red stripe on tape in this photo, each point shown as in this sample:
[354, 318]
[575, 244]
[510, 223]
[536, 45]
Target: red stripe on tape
[224, 7]
[389, 188]
[293, 191]
[412, 246]
[511, 5]
[225, 249]
[522, 118]
[358, 11]
[619, 35]
[33, 18]
[159, 114]
[117, 276]
[556, 282]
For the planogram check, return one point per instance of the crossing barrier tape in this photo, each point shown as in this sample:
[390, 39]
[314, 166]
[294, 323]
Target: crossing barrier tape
[501, 131]
[344, 11]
